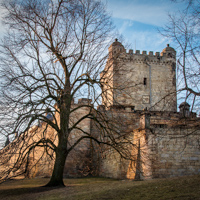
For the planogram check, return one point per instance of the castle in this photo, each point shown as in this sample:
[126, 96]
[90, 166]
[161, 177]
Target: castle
[139, 91]
[143, 94]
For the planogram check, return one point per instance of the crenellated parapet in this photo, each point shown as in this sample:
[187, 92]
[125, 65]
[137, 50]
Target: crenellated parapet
[118, 52]
[84, 101]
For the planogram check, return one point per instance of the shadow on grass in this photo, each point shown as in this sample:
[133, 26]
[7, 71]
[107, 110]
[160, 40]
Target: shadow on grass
[27, 190]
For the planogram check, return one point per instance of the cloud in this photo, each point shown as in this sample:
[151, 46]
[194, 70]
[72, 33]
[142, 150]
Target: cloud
[138, 21]
[147, 41]
[149, 12]
[141, 36]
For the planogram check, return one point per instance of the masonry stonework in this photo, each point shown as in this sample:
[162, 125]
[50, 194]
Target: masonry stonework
[168, 146]
[140, 80]
[143, 87]
[139, 95]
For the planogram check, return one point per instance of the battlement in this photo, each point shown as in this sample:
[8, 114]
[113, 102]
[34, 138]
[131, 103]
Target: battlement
[117, 51]
[164, 53]
[137, 52]
[84, 101]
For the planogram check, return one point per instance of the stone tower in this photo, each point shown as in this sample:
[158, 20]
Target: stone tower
[138, 80]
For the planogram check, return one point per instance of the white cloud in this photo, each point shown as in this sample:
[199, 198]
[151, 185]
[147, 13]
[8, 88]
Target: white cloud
[148, 41]
[137, 20]
[148, 12]
[124, 26]
[144, 14]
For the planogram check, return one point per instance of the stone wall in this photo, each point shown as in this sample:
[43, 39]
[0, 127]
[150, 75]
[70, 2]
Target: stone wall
[40, 164]
[166, 145]
[175, 152]
[78, 160]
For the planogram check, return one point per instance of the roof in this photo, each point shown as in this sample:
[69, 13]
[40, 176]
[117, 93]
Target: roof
[184, 104]
[116, 43]
[167, 49]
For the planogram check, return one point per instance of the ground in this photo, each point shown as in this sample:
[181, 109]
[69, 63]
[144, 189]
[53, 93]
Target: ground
[185, 188]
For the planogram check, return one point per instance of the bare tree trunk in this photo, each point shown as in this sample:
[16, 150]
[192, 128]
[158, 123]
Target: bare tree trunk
[57, 176]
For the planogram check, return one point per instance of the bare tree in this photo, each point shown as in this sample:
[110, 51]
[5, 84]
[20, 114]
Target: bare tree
[54, 52]
[183, 30]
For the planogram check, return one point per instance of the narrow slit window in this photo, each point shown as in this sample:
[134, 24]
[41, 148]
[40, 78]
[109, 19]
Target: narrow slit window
[132, 108]
[145, 81]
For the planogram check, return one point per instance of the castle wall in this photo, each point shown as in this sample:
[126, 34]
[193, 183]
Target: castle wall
[139, 104]
[40, 164]
[173, 144]
[107, 84]
[111, 164]
[175, 152]
[165, 146]
[78, 160]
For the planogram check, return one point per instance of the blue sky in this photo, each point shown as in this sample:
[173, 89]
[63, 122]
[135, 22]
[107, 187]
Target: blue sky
[138, 21]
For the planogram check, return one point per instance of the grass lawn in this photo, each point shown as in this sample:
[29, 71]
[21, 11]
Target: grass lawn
[102, 188]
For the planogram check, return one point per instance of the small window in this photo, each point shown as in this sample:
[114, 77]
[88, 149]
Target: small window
[132, 108]
[145, 81]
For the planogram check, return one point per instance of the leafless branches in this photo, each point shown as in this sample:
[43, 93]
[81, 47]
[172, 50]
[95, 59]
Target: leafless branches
[183, 30]
[53, 53]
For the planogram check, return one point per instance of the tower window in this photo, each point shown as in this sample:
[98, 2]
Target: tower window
[132, 108]
[145, 81]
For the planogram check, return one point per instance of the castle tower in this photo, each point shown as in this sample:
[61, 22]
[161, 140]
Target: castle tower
[184, 109]
[138, 80]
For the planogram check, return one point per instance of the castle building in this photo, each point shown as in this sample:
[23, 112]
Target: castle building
[141, 90]
[139, 96]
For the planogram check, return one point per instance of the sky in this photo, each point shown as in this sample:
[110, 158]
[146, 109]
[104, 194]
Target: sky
[138, 21]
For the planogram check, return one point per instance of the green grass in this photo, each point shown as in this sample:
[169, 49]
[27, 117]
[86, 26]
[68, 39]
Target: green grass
[185, 188]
